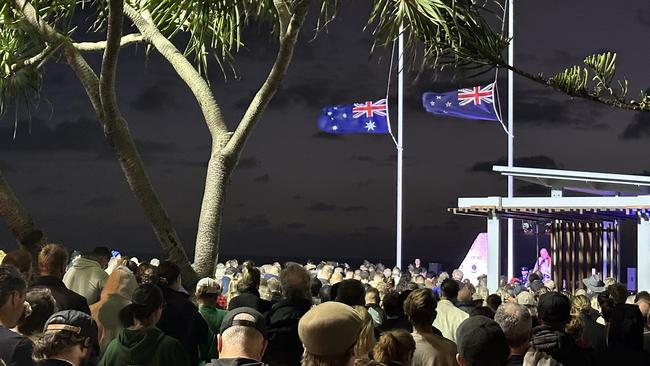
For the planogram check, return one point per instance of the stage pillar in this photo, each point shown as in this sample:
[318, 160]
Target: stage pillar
[494, 252]
[642, 257]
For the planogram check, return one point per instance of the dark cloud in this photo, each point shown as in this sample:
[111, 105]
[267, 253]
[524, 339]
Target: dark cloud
[328, 207]
[262, 179]
[295, 225]
[105, 201]
[296, 197]
[259, 221]
[82, 134]
[249, 163]
[326, 136]
[154, 98]
[537, 161]
[356, 208]
[363, 183]
[363, 158]
[323, 207]
[639, 128]
[643, 16]
[44, 191]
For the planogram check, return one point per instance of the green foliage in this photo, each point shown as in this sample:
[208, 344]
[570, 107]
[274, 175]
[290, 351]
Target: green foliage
[214, 27]
[453, 33]
[575, 81]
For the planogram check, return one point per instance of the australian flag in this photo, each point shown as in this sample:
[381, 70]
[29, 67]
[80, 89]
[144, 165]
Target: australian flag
[366, 117]
[473, 103]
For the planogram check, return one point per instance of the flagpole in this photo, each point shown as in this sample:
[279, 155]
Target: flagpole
[511, 142]
[400, 140]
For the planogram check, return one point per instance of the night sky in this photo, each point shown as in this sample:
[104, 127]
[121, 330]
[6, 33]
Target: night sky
[299, 193]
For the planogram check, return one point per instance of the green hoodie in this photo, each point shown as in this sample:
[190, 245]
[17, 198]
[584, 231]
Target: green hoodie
[144, 347]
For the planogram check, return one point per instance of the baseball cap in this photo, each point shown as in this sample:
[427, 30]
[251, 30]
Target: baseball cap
[553, 307]
[229, 320]
[76, 322]
[525, 298]
[329, 329]
[481, 339]
[209, 285]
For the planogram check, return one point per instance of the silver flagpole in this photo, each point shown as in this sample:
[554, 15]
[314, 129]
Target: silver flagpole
[511, 141]
[400, 140]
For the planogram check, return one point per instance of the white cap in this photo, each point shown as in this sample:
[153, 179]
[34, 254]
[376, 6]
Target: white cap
[209, 285]
[155, 262]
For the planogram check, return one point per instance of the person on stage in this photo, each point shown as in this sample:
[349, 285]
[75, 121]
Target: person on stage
[544, 265]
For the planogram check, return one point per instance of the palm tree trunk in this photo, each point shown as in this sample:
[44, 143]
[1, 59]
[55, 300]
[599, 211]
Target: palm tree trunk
[19, 221]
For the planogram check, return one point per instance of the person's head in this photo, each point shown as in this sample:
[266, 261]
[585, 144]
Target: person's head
[366, 339]
[465, 294]
[418, 262]
[618, 293]
[351, 292]
[554, 310]
[642, 300]
[387, 273]
[516, 322]
[543, 253]
[146, 273]
[242, 335]
[580, 305]
[420, 308]
[493, 301]
[449, 289]
[145, 308]
[43, 305]
[169, 274]
[70, 335]
[457, 275]
[102, 255]
[250, 278]
[22, 260]
[314, 287]
[52, 260]
[12, 295]
[392, 305]
[394, 346]
[625, 327]
[372, 296]
[207, 290]
[295, 282]
[329, 332]
[481, 342]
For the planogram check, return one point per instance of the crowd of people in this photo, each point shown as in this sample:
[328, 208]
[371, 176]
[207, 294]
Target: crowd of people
[102, 309]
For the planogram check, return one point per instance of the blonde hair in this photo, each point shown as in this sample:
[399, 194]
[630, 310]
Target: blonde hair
[580, 304]
[394, 346]
[366, 340]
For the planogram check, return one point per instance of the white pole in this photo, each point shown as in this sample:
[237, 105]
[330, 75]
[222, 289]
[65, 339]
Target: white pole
[400, 139]
[511, 142]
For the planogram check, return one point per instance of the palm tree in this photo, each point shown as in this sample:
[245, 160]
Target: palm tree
[438, 33]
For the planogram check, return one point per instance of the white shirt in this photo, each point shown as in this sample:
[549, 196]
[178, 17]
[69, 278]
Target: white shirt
[433, 350]
[448, 319]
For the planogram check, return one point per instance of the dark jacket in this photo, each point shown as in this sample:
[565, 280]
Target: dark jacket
[181, 319]
[15, 350]
[466, 306]
[250, 298]
[593, 334]
[285, 347]
[562, 347]
[235, 362]
[66, 299]
[401, 322]
[144, 347]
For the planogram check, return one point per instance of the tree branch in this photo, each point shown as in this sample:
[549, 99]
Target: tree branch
[272, 83]
[211, 111]
[109, 61]
[100, 46]
[284, 15]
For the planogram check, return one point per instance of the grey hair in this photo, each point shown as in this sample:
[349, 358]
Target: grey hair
[516, 322]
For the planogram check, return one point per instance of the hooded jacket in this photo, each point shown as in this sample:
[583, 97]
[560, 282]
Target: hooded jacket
[86, 278]
[115, 296]
[285, 347]
[562, 347]
[66, 299]
[144, 347]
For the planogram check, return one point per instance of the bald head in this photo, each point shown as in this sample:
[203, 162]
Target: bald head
[241, 341]
[516, 322]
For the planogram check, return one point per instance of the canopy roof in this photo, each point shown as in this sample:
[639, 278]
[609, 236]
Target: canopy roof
[602, 184]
